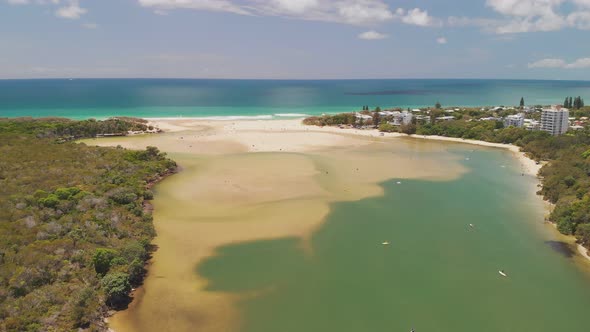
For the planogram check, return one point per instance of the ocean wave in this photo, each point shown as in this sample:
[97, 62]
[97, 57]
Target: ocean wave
[291, 115]
[217, 118]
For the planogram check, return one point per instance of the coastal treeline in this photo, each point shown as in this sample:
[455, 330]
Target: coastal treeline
[75, 222]
[573, 103]
[67, 129]
[565, 177]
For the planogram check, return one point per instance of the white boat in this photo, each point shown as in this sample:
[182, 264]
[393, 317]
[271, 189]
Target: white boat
[502, 273]
[385, 243]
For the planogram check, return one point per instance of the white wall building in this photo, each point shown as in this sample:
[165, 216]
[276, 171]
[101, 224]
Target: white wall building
[446, 118]
[531, 124]
[555, 120]
[400, 118]
[516, 120]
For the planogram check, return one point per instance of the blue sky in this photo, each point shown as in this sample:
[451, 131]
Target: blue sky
[536, 39]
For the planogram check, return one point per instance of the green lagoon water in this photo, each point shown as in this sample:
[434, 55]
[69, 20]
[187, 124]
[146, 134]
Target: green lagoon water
[437, 273]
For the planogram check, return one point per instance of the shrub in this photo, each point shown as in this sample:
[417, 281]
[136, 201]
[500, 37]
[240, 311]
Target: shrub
[388, 128]
[116, 287]
[50, 201]
[66, 193]
[123, 196]
[103, 260]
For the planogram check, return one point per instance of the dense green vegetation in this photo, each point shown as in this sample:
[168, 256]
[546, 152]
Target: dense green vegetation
[67, 129]
[75, 222]
[575, 103]
[565, 178]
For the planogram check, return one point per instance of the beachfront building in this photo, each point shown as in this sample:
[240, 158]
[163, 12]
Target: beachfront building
[531, 124]
[516, 120]
[363, 116]
[401, 118]
[555, 120]
[446, 118]
[490, 118]
[422, 118]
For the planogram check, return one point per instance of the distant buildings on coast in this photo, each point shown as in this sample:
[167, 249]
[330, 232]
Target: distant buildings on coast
[554, 120]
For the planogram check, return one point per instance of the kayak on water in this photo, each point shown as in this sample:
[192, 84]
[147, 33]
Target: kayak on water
[502, 273]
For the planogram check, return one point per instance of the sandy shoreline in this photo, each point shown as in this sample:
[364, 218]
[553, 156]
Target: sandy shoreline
[176, 125]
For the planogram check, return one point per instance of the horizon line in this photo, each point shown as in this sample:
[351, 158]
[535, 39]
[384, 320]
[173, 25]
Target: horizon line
[287, 79]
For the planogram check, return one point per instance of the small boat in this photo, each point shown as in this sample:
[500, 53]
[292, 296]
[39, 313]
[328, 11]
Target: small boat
[385, 243]
[502, 273]
[471, 225]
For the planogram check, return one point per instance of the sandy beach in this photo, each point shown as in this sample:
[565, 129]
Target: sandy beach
[246, 131]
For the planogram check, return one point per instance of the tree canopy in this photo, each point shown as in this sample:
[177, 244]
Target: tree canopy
[71, 215]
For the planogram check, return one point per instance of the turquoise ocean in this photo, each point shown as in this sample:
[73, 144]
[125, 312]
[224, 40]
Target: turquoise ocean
[165, 98]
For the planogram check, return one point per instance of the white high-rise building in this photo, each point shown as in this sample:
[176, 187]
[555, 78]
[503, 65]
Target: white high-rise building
[516, 120]
[555, 120]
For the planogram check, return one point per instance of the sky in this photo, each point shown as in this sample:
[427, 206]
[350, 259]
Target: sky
[295, 39]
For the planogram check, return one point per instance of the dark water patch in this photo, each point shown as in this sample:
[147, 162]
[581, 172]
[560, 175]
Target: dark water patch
[253, 266]
[561, 248]
[398, 92]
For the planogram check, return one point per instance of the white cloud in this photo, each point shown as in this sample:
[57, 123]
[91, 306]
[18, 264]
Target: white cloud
[582, 3]
[548, 63]
[560, 63]
[372, 35]
[538, 15]
[580, 20]
[462, 21]
[211, 5]
[72, 11]
[441, 40]
[356, 12]
[296, 6]
[71, 8]
[416, 16]
[579, 63]
[362, 11]
[524, 8]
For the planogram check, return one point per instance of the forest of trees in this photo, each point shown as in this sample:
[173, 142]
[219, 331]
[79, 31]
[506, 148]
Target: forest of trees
[67, 129]
[75, 222]
[573, 103]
